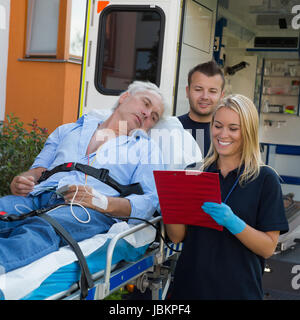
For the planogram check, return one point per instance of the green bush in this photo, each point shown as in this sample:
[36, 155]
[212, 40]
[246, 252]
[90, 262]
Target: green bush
[18, 149]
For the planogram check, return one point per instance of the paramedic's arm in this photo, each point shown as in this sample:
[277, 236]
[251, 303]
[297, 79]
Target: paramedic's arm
[24, 183]
[261, 240]
[176, 232]
[261, 243]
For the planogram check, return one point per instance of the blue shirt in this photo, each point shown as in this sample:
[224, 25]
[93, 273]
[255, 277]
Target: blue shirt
[129, 159]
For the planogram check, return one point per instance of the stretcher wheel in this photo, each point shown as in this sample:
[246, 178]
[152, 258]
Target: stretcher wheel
[142, 283]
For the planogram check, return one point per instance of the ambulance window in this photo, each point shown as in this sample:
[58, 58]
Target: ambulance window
[129, 47]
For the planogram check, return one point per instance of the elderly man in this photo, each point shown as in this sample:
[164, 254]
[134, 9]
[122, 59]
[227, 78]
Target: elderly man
[119, 146]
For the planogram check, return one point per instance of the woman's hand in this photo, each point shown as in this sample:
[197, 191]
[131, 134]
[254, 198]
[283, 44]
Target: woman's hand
[259, 242]
[224, 216]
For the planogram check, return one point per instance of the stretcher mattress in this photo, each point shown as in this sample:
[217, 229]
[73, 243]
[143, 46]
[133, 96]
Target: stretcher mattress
[57, 271]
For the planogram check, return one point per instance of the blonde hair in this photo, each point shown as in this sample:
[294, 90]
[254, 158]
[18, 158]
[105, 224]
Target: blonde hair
[250, 155]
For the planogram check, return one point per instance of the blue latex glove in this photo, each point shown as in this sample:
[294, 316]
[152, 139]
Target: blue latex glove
[224, 216]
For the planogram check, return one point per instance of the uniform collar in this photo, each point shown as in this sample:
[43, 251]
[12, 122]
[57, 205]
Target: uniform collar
[213, 168]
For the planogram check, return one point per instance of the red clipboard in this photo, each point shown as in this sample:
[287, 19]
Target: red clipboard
[182, 193]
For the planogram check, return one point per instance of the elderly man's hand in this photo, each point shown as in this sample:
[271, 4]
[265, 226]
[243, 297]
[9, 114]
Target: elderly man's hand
[22, 185]
[86, 196]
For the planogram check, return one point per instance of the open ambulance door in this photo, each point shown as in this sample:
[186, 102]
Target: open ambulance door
[196, 44]
[127, 41]
[155, 40]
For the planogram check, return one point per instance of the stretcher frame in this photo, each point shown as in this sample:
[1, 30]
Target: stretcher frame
[147, 272]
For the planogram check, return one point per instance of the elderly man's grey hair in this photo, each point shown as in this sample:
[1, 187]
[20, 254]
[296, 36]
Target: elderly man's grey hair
[141, 86]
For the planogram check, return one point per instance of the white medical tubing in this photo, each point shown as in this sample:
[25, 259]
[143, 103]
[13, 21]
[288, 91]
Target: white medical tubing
[78, 204]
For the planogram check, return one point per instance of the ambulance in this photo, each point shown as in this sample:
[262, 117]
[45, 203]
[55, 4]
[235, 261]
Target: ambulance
[161, 40]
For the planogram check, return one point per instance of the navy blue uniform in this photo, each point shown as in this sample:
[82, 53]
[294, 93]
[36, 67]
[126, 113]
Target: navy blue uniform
[216, 265]
[202, 136]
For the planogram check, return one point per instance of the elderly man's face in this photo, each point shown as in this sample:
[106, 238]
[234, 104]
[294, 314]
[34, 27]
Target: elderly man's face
[141, 110]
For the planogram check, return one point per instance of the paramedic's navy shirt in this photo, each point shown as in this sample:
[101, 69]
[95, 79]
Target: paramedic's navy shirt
[203, 135]
[215, 264]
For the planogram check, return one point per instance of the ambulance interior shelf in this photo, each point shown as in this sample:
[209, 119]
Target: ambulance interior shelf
[277, 86]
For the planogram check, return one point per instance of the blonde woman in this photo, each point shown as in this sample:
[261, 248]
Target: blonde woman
[230, 264]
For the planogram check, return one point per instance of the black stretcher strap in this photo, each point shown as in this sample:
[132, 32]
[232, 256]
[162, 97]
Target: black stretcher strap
[100, 174]
[86, 281]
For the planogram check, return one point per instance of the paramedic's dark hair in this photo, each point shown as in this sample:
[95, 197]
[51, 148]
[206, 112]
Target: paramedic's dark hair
[210, 69]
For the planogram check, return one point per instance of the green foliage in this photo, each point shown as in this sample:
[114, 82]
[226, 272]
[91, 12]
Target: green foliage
[118, 295]
[18, 149]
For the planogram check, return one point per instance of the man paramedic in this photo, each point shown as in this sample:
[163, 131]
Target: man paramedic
[204, 91]
[119, 144]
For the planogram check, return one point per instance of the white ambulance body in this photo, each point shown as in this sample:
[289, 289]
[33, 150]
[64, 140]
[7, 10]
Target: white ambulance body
[161, 40]
[123, 36]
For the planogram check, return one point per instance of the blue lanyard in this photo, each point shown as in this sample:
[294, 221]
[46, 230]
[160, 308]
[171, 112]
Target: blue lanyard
[232, 188]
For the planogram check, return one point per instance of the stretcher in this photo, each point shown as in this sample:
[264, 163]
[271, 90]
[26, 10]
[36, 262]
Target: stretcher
[125, 254]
